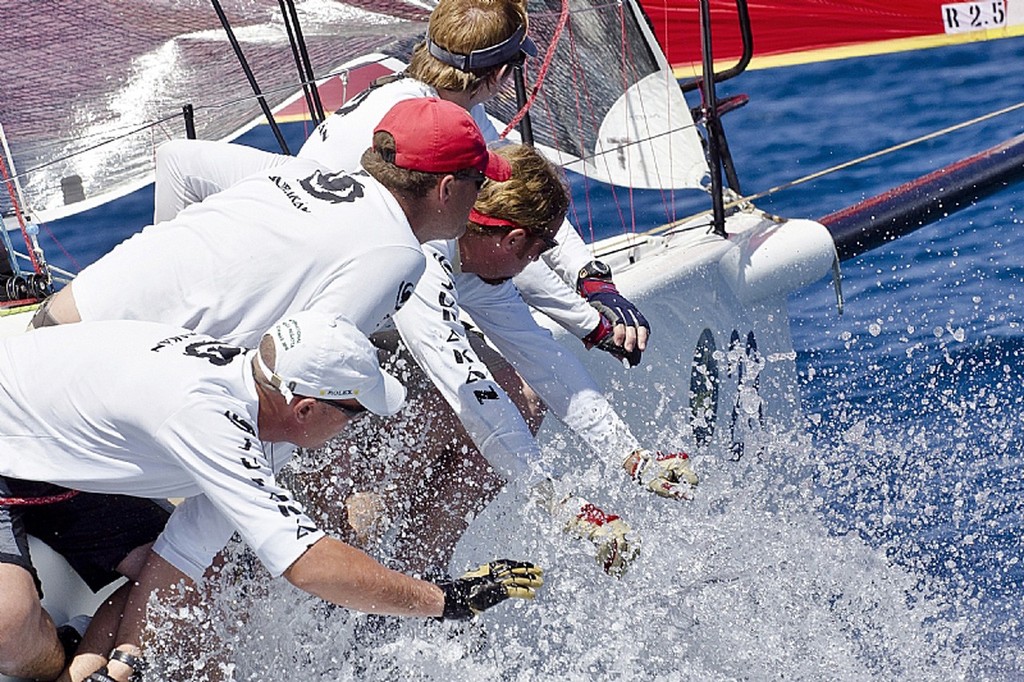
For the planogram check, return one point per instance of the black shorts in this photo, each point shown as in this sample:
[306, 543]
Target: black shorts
[94, 532]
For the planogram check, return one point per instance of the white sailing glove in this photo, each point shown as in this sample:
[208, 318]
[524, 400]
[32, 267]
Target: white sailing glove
[664, 474]
[615, 551]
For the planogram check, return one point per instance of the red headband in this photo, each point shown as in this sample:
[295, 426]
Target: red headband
[481, 219]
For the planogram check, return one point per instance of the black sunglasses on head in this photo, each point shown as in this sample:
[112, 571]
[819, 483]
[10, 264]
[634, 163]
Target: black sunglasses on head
[350, 412]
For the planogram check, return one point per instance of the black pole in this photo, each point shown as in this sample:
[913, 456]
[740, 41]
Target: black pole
[525, 125]
[914, 204]
[747, 36]
[302, 61]
[189, 115]
[711, 120]
[249, 75]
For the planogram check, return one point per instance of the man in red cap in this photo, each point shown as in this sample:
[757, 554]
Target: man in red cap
[298, 236]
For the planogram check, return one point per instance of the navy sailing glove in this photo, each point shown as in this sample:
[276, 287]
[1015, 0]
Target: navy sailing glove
[595, 284]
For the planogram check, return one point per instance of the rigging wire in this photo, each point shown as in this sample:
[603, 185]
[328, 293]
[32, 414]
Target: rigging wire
[563, 18]
[302, 62]
[882, 152]
[250, 76]
[746, 199]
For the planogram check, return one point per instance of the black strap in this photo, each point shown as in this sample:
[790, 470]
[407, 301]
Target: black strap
[69, 639]
[136, 663]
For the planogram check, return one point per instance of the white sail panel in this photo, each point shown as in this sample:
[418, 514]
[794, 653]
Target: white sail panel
[648, 140]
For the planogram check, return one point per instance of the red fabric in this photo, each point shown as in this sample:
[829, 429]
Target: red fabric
[490, 221]
[435, 136]
[788, 26]
[601, 332]
[594, 515]
[34, 501]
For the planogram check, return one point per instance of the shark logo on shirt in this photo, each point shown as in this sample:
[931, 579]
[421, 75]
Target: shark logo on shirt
[217, 353]
[335, 188]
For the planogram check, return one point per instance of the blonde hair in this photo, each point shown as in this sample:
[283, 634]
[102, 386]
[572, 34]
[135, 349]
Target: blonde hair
[461, 26]
[535, 198]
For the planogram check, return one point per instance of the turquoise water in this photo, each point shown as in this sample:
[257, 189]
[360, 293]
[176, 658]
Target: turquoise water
[911, 394]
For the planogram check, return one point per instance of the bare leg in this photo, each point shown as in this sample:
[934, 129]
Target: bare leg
[420, 472]
[459, 483]
[458, 488]
[28, 638]
[525, 399]
[448, 482]
[99, 638]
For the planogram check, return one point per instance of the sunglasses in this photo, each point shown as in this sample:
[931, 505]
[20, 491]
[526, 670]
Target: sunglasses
[549, 241]
[474, 175]
[350, 412]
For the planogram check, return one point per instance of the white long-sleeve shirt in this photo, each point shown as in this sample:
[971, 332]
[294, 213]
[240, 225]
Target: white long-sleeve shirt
[293, 238]
[151, 410]
[189, 170]
[431, 325]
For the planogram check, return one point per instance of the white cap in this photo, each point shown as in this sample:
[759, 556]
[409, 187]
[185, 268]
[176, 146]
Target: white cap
[326, 357]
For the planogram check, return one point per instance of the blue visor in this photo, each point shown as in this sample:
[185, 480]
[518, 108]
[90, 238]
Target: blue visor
[507, 50]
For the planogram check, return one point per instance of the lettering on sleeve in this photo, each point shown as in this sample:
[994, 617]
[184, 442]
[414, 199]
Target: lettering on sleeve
[405, 290]
[240, 423]
[481, 395]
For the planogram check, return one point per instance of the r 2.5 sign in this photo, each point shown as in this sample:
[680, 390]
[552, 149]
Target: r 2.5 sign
[963, 17]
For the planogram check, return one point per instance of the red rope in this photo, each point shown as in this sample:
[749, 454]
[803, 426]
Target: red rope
[562, 19]
[17, 212]
[34, 501]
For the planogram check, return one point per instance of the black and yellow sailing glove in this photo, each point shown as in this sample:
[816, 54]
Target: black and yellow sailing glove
[483, 587]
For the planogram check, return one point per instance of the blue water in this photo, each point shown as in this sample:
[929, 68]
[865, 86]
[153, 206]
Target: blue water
[911, 394]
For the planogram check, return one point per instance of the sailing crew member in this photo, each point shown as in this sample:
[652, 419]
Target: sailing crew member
[152, 410]
[441, 486]
[471, 49]
[298, 236]
[231, 266]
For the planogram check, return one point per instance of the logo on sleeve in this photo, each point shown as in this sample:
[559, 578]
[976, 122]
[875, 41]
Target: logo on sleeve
[335, 188]
[405, 290]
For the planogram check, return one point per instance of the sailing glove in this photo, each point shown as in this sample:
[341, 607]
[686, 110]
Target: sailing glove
[665, 474]
[594, 283]
[489, 584]
[615, 552]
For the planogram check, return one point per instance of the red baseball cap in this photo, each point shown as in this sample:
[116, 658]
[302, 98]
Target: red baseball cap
[436, 136]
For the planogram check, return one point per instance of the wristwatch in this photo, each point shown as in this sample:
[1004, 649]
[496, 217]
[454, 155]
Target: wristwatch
[595, 269]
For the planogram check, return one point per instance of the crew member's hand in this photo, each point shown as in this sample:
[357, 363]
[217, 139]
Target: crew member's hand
[623, 330]
[483, 587]
[665, 474]
[615, 552]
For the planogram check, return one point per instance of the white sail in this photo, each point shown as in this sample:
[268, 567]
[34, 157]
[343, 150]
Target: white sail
[91, 87]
